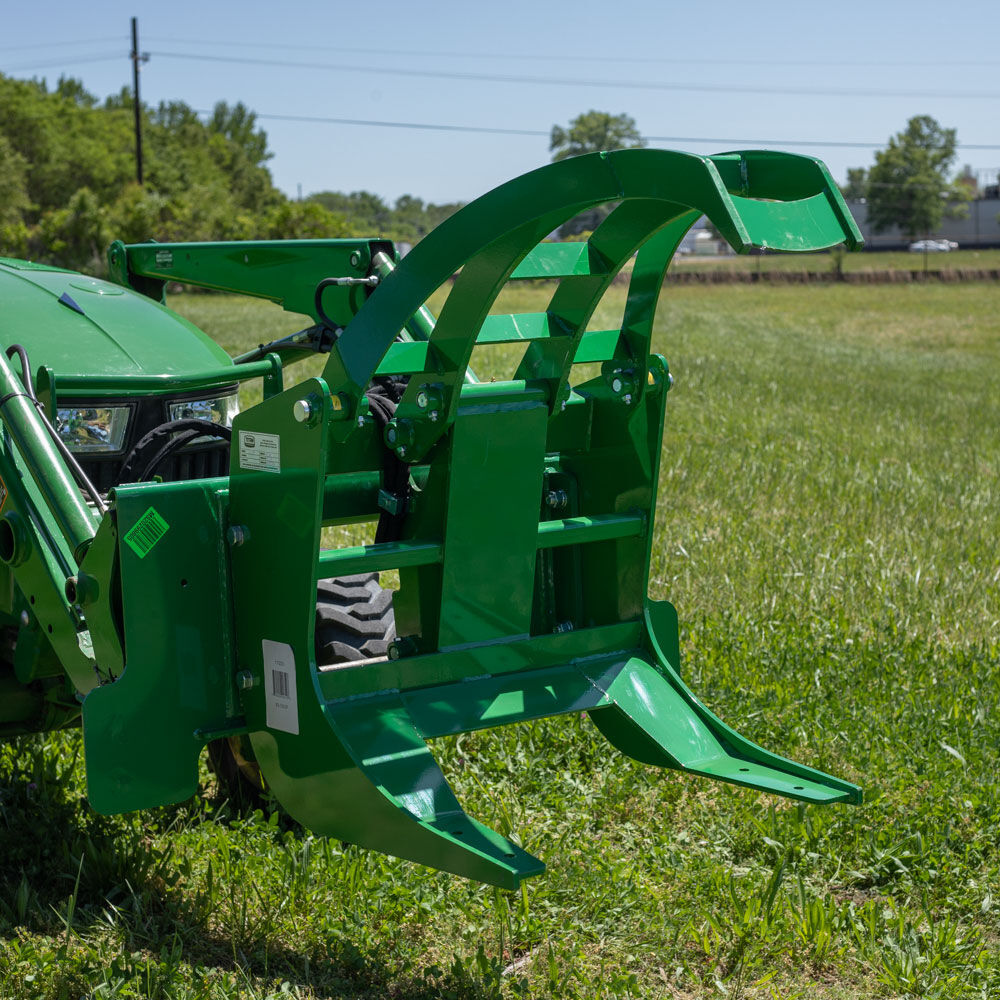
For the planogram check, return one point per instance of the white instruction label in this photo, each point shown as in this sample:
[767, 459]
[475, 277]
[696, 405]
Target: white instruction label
[260, 452]
[279, 685]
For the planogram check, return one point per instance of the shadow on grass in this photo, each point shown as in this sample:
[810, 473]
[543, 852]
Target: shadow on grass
[120, 883]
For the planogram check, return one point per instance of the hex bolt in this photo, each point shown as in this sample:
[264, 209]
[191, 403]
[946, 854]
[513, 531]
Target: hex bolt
[245, 680]
[402, 646]
[563, 627]
[401, 451]
[302, 410]
[423, 399]
[433, 416]
[237, 535]
[556, 499]
[627, 399]
[355, 259]
[361, 420]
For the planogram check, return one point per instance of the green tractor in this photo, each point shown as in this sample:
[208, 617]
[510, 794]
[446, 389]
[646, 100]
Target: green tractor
[164, 576]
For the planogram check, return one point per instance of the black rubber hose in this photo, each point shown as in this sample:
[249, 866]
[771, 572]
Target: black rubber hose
[174, 434]
[383, 397]
[335, 330]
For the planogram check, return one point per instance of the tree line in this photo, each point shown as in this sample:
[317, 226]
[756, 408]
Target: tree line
[68, 187]
[67, 178]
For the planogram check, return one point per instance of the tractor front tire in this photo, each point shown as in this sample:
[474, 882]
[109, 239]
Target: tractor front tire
[354, 621]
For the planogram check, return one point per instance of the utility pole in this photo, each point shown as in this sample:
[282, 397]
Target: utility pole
[136, 106]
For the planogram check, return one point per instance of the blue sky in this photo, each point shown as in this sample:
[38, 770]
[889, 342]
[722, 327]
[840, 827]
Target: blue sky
[736, 75]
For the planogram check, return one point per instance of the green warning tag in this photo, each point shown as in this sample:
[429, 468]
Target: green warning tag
[146, 532]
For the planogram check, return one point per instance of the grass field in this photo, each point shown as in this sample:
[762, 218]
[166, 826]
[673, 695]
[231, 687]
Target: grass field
[827, 528]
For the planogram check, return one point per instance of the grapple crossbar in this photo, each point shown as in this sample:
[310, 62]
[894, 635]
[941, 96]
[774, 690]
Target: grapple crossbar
[524, 552]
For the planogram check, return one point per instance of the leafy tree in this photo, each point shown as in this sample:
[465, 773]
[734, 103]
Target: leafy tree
[14, 201]
[67, 185]
[408, 220]
[856, 188]
[908, 186]
[302, 220]
[13, 182]
[239, 125]
[594, 131]
[74, 236]
[74, 89]
[366, 213]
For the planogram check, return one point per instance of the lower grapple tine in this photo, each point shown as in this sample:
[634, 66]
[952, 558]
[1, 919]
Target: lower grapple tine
[425, 821]
[652, 716]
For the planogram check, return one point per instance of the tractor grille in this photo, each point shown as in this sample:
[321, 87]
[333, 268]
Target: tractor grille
[194, 462]
[197, 463]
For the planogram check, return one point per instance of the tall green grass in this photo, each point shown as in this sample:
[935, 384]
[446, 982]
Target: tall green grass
[827, 528]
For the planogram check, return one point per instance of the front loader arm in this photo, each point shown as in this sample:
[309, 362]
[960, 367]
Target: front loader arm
[45, 529]
[287, 272]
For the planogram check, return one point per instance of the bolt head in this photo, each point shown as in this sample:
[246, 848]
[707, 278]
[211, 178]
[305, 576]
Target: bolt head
[401, 451]
[302, 410]
[390, 435]
[422, 399]
[245, 680]
[616, 385]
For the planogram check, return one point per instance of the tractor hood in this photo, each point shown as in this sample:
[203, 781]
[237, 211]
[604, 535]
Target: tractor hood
[78, 325]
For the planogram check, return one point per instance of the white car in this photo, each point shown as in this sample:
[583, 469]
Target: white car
[933, 246]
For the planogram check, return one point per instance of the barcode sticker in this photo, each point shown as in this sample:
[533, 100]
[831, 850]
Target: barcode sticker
[146, 532]
[279, 683]
[279, 673]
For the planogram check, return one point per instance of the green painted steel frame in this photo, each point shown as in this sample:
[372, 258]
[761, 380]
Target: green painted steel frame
[524, 556]
[509, 607]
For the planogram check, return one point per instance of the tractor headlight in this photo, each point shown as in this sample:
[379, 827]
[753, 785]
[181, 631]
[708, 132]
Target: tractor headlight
[91, 429]
[220, 410]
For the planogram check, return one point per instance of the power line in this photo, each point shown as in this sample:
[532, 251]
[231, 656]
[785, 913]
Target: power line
[528, 132]
[425, 126]
[70, 61]
[744, 87]
[708, 140]
[57, 45]
[566, 57]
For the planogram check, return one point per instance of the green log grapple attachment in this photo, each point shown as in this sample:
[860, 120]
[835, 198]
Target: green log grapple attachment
[519, 513]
